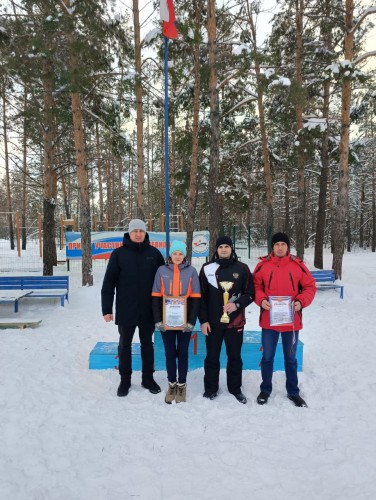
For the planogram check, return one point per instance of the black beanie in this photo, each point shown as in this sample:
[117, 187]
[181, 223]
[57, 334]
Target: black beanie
[224, 240]
[280, 237]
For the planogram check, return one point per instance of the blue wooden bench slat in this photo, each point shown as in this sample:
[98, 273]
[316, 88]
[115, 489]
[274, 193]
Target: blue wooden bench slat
[37, 286]
[104, 354]
[325, 279]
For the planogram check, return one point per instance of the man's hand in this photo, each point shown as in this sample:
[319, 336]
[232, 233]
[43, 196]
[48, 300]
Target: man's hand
[230, 307]
[205, 328]
[266, 305]
[297, 306]
[108, 317]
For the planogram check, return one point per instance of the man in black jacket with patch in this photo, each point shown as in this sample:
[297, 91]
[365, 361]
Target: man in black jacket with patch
[130, 271]
[224, 267]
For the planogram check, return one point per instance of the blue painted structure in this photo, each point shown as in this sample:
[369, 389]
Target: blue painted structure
[104, 354]
[325, 279]
[37, 286]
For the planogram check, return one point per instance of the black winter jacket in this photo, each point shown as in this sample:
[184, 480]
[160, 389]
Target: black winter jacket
[130, 271]
[242, 292]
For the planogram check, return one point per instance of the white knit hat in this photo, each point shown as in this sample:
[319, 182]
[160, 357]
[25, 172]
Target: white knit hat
[137, 224]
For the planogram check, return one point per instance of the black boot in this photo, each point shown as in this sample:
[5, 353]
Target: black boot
[123, 389]
[262, 398]
[150, 384]
[298, 401]
[240, 397]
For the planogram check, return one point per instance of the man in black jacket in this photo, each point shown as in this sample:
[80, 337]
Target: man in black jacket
[224, 267]
[130, 271]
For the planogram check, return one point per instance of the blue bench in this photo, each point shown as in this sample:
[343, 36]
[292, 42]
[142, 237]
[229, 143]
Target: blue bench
[326, 279]
[14, 288]
[104, 354]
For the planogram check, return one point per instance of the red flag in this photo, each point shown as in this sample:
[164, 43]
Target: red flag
[168, 18]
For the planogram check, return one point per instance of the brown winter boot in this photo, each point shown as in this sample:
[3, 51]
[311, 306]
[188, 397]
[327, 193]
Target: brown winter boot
[171, 393]
[181, 393]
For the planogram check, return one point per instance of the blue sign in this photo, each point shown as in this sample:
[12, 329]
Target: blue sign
[103, 242]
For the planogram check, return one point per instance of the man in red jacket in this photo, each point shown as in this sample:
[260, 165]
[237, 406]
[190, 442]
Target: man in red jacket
[281, 276]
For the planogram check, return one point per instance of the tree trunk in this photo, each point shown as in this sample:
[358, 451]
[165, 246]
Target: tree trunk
[49, 172]
[120, 195]
[7, 174]
[139, 112]
[300, 216]
[99, 169]
[327, 34]
[83, 188]
[343, 174]
[287, 226]
[213, 198]
[264, 137]
[373, 240]
[192, 197]
[361, 216]
[24, 178]
[172, 164]
[324, 172]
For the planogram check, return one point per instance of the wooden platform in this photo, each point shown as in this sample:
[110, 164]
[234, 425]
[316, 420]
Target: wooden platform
[104, 354]
[19, 323]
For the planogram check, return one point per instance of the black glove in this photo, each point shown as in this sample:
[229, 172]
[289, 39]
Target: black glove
[188, 328]
[160, 326]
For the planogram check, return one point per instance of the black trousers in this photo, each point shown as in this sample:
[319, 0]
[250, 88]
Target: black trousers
[233, 338]
[146, 331]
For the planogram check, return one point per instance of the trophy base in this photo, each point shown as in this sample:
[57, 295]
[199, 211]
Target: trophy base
[224, 319]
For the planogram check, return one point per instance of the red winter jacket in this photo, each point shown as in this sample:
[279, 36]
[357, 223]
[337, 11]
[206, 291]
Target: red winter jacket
[283, 276]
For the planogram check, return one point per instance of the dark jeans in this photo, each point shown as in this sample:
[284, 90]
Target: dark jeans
[269, 345]
[176, 345]
[147, 349]
[233, 340]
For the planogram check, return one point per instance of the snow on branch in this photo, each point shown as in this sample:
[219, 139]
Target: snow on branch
[69, 10]
[251, 141]
[364, 56]
[241, 103]
[363, 15]
[228, 78]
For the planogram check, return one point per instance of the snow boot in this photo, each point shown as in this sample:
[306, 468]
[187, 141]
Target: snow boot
[298, 401]
[123, 389]
[262, 398]
[151, 385]
[171, 393]
[240, 397]
[210, 395]
[181, 393]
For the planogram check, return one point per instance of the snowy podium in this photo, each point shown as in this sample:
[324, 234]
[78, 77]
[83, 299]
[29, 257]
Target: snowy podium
[104, 354]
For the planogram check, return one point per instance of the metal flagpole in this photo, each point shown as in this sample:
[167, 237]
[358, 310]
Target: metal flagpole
[167, 194]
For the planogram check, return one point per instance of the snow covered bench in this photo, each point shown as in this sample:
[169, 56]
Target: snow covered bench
[326, 279]
[7, 296]
[33, 287]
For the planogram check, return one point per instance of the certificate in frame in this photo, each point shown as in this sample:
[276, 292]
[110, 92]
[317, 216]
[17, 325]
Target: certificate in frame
[282, 309]
[174, 313]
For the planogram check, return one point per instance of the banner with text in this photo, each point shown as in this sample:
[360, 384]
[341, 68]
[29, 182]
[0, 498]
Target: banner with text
[102, 243]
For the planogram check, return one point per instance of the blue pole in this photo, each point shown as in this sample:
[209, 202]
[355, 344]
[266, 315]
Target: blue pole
[167, 222]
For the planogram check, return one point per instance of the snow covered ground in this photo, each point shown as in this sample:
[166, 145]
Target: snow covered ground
[64, 435]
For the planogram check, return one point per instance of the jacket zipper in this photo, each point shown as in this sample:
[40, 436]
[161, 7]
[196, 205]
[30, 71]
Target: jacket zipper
[292, 281]
[270, 279]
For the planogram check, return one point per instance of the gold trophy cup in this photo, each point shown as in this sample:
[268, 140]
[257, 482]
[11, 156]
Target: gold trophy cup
[226, 286]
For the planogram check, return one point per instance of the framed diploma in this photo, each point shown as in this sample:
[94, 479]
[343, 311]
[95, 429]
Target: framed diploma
[281, 312]
[174, 312]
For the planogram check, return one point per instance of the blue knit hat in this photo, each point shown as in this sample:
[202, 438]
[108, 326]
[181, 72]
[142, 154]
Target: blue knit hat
[178, 246]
